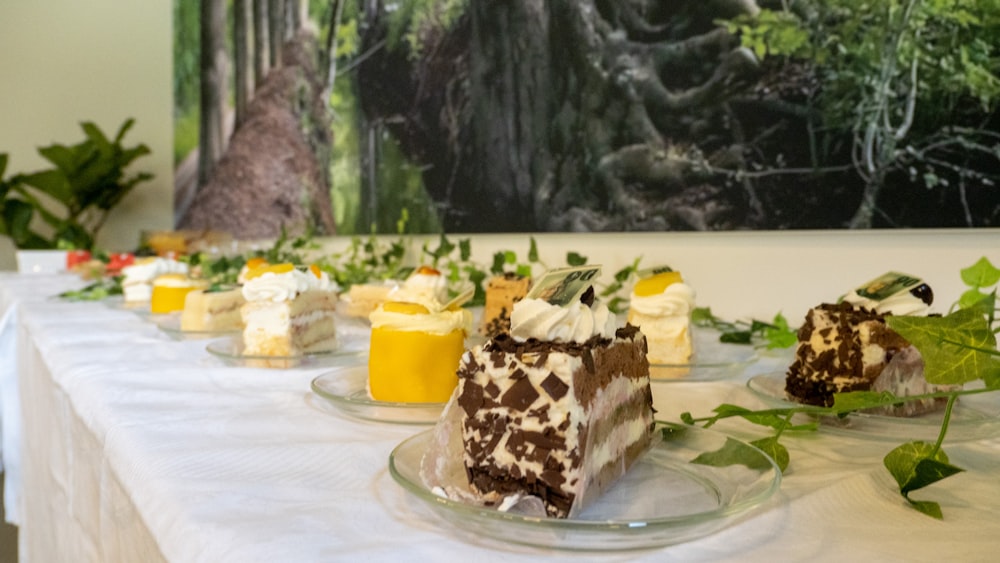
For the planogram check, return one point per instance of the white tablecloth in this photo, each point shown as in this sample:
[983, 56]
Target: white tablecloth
[136, 447]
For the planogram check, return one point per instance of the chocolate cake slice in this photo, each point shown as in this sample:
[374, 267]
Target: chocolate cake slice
[560, 421]
[843, 347]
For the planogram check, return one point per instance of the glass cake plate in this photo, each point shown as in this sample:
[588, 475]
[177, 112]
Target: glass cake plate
[712, 360]
[171, 324]
[230, 351]
[668, 497]
[347, 390]
[974, 417]
[118, 302]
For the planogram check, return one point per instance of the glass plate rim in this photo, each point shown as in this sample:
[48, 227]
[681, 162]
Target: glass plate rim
[895, 420]
[368, 402]
[167, 321]
[597, 526]
[238, 340]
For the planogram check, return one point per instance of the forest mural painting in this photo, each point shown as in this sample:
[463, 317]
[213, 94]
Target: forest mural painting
[587, 115]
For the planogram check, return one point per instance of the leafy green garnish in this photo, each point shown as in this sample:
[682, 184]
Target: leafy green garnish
[96, 291]
[733, 452]
[773, 335]
[958, 348]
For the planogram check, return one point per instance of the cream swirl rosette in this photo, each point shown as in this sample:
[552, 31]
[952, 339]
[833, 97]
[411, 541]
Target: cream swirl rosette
[284, 286]
[576, 322]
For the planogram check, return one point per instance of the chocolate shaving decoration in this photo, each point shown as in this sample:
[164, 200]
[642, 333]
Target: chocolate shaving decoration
[555, 387]
[588, 297]
[471, 398]
[492, 389]
[520, 396]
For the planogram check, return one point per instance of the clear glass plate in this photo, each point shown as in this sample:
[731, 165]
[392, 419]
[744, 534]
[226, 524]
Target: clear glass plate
[171, 324]
[347, 390]
[668, 497]
[974, 417]
[138, 307]
[230, 351]
[712, 360]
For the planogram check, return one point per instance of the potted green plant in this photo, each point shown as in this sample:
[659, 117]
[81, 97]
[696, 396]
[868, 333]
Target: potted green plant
[74, 197]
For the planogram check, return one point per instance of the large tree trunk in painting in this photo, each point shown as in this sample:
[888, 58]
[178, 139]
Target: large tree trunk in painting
[572, 114]
[214, 73]
[242, 61]
[275, 173]
[509, 93]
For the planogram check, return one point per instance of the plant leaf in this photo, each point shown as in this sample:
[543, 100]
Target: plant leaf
[928, 507]
[771, 447]
[575, 259]
[858, 400]
[51, 182]
[981, 274]
[946, 344]
[734, 452]
[915, 465]
[533, 250]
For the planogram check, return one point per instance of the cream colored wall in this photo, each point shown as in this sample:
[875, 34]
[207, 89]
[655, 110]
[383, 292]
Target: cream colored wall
[67, 61]
[757, 274]
[63, 61]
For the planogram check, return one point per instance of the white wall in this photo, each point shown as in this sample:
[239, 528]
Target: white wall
[757, 274]
[67, 61]
[64, 61]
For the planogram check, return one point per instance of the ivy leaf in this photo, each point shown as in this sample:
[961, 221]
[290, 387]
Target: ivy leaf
[928, 507]
[533, 251]
[734, 452]
[971, 298]
[498, 262]
[915, 465]
[779, 334]
[737, 337]
[775, 450]
[981, 274]
[575, 259]
[859, 400]
[701, 315]
[465, 249]
[948, 344]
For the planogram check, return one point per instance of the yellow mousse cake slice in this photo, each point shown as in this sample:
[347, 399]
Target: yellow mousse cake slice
[213, 310]
[170, 291]
[416, 343]
[137, 283]
[288, 311]
[661, 305]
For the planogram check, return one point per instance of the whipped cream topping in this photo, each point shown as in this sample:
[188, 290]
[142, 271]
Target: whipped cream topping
[535, 318]
[285, 286]
[429, 290]
[677, 299]
[902, 303]
[145, 270]
[437, 322]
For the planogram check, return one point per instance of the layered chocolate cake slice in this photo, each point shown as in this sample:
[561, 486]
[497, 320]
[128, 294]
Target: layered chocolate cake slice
[848, 347]
[558, 421]
[558, 409]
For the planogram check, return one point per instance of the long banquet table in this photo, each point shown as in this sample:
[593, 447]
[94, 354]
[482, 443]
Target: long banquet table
[121, 444]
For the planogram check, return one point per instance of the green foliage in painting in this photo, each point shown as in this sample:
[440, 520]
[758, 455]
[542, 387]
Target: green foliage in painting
[415, 19]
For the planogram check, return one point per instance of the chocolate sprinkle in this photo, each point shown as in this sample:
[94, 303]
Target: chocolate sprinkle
[555, 387]
[520, 396]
